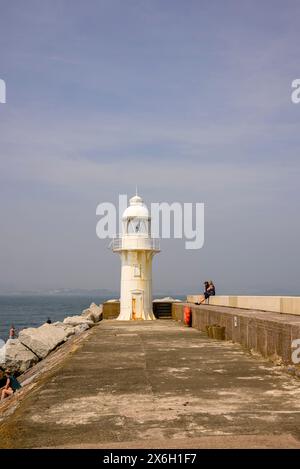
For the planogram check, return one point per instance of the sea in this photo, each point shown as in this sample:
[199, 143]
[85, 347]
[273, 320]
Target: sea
[33, 311]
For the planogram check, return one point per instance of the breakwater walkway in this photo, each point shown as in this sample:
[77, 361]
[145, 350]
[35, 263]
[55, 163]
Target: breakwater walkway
[157, 384]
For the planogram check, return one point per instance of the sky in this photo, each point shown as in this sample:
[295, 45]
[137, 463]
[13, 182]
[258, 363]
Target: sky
[189, 100]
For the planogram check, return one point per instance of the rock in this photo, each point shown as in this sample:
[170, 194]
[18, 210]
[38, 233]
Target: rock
[42, 340]
[18, 357]
[97, 311]
[77, 320]
[93, 313]
[166, 299]
[81, 328]
[67, 328]
[86, 313]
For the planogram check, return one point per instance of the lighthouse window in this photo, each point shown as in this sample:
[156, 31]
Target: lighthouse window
[137, 226]
[137, 270]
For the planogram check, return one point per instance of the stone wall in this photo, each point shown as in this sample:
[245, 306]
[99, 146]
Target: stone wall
[280, 304]
[270, 334]
[111, 310]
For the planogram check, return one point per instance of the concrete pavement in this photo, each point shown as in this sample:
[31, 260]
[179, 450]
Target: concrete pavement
[158, 384]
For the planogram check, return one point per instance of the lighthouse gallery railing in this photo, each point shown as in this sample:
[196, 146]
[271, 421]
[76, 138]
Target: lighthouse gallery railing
[134, 242]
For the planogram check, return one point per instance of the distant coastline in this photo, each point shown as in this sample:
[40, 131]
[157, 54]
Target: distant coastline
[106, 293]
[59, 292]
[103, 293]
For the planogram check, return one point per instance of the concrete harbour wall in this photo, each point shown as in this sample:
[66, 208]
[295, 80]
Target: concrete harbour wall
[279, 304]
[270, 334]
[111, 310]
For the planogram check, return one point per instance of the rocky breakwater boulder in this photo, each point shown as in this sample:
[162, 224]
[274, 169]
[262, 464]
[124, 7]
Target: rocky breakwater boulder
[76, 324]
[75, 321]
[72, 329]
[93, 313]
[34, 344]
[67, 328]
[42, 340]
[89, 317]
[18, 357]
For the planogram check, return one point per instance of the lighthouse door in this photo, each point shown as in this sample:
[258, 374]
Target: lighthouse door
[137, 305]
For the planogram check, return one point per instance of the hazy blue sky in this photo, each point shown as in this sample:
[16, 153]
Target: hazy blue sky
[191, 100]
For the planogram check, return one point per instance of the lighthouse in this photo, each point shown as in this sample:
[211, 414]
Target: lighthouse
[136, 249]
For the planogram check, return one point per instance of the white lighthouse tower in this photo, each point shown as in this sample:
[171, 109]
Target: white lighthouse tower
[136, 248]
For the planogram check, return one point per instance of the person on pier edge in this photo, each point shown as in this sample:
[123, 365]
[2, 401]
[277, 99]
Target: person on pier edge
[209, 290]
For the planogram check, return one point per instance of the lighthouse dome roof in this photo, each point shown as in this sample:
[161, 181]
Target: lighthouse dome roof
[136, 208]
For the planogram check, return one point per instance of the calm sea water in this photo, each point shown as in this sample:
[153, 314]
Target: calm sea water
[33, 311]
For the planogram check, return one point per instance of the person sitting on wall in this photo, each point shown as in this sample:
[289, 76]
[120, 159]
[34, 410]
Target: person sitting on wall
[205, 287]
[48, 321]
[209, 290]
[12, 385]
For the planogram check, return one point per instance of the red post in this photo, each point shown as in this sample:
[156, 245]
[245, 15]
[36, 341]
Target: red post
[187, 316]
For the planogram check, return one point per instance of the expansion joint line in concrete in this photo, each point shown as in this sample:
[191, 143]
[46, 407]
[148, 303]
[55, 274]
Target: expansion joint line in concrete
[146, 371]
